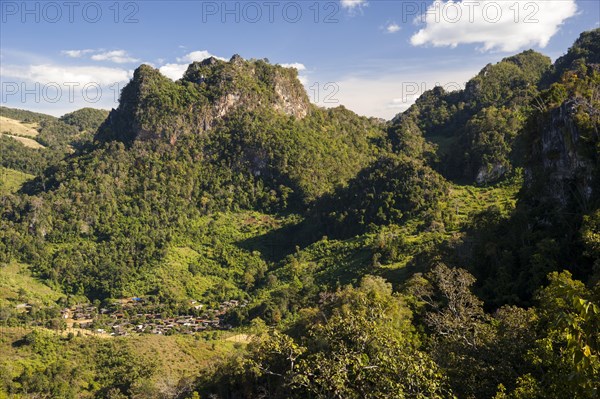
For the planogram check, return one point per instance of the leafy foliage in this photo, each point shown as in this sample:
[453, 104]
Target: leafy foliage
[341, 233]
[85, 119]
[358, 343]
[475, 129]
[390, 191]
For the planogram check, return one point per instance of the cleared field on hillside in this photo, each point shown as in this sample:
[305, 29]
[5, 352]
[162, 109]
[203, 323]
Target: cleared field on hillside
[174, 358]
[26, 142]
[17, 284]
[15, 127]
[11, 180]
[466, 201]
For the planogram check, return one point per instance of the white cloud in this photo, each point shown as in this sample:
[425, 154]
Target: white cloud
[76, 53]
[57, 89]
[175, 71]
[392, 28]
[386, 95]
[353, 4]
[61, 74]
[116, 56]
[498, 25]
[300, 67]
[197, 56]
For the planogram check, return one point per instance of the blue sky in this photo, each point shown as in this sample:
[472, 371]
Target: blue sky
[372, 56]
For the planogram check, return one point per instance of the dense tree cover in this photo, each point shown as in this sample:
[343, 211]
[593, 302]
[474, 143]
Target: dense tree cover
[357, 343]
[361, 342]
[557, 204]
[110, 212]
[56, 134]
[475, 130]
[488, 136]
[85, 119]
[390, 191]
[59, 135]
[14, 155]
[121, 221]
[303, 159]
[549, 351]
[101, 218]
[216, 187]
[585, 50]
[430, 339]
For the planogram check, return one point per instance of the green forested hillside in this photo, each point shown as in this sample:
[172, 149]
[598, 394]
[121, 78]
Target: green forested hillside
[85, 119]
[12, 180]
[475, 131]
[451, 252]
[59, 137]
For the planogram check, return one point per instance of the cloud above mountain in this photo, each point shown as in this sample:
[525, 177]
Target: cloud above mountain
[62, 75]
[496, 25]
[116, 56]
[176, 70]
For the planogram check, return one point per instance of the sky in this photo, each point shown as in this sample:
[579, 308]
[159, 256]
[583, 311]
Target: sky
[373, 56]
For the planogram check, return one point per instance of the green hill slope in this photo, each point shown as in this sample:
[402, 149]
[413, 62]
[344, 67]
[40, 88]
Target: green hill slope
[371, 258]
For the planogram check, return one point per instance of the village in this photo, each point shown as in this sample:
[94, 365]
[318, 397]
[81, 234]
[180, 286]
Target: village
[134, 315]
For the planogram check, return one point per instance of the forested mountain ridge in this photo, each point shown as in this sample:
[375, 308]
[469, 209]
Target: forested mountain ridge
[116, 194]
[152, 105]
[452, 252]
[476, 130]
[558, 203]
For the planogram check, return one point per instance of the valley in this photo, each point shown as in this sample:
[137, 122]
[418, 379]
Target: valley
[221, 236]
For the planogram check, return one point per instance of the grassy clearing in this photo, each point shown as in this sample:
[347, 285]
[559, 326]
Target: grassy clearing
[17, 285]
[466, 201]
[175, 276]
[26, 141]
[211, 258]
[179, 356]
[18, 128]
[241, 338]
[175, 357]
[11, 180]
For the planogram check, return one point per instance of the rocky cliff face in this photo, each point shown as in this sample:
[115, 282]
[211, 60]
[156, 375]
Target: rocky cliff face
[564, 161]
[564, 166]
[152, 106]
[491, 173]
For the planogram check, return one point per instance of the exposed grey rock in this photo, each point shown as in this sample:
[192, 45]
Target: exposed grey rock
[487, 175]
[561, 167]
[152, 106]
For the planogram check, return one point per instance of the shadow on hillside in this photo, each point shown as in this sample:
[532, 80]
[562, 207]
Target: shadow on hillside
[277, 244]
